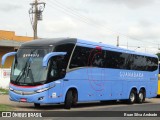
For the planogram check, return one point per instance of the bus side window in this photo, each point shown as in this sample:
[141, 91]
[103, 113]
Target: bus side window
[52, 70]
[56, 68]
[98, 60]
[80, 57]
[65, 48]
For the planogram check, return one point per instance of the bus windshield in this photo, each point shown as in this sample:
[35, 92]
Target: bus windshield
[27, 67]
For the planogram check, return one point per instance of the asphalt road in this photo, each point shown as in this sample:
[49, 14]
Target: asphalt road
[150, 105]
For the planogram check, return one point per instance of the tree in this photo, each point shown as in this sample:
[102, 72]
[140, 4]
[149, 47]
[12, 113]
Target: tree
[158, 54]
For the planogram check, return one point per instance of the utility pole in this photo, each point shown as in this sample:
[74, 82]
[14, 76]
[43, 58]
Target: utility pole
[117, 41]
[35, 13]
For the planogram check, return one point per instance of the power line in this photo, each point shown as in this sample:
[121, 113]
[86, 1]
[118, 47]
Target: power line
[73, 13]
[81, 18]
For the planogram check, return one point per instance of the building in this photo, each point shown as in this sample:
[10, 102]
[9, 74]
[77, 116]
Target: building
[10, 42]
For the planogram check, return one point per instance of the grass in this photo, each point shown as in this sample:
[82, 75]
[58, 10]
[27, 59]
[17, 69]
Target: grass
[5, 107]
[3, 91]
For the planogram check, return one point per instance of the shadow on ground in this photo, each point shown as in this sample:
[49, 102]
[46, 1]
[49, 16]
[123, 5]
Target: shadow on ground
[79, 105]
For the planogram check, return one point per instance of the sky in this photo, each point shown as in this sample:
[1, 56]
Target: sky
[136, 22]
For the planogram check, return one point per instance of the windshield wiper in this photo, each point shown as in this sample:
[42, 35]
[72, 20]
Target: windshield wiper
[29, 74]
[22, 73]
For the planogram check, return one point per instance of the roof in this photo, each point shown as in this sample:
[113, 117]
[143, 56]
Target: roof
[115, 48]
[10, 43]
[48, 42]
[57, 41]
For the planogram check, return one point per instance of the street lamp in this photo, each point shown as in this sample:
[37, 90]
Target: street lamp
[136, 48]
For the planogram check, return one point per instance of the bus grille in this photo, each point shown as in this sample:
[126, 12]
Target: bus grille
[23, 92]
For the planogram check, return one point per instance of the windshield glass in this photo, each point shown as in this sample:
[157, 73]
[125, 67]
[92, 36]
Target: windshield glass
[27, 67]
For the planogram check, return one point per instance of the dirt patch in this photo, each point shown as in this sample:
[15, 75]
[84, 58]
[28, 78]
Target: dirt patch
[16, 105]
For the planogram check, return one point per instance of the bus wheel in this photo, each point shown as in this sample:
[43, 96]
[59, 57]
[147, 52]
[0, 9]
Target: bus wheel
[37, 105]
[141, 96]
[68, 100]
[75, 98]
[132, 97]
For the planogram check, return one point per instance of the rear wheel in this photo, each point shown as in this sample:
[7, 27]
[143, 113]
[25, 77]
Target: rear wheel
[141, 96]
[132, 97]
[68, 100]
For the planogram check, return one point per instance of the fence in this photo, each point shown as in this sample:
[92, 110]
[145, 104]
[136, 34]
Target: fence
[5, 78]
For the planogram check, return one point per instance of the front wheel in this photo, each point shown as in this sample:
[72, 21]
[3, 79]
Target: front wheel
[37, 105]
[68, 100]
[132, 97]
[75, 99]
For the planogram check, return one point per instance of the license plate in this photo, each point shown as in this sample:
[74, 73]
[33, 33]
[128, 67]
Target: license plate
[23, 100]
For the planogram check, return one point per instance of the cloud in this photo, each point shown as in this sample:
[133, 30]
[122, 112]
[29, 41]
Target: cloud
[9, 7]
[63, 25]
[135, 3]
[129, 3]
[145, 30]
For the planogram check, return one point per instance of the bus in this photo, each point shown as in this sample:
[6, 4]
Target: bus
[158, 92]
[70, 70]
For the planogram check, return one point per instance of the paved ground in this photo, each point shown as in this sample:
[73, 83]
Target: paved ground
[150, 105]
[94, 106]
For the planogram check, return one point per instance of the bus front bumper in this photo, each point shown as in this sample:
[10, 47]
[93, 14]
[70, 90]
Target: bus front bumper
[42, 98]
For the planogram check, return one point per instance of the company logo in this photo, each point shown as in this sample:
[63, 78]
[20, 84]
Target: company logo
[6, 114]
[30, 55]
[131, 74]
[21, 114]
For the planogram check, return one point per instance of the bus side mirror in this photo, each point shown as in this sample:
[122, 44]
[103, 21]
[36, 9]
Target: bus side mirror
[7, 55]
[49, 55]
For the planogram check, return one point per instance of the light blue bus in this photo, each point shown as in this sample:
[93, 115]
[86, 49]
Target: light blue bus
[70, 70]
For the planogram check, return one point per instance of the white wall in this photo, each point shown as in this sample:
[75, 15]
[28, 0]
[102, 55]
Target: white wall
[5, 78]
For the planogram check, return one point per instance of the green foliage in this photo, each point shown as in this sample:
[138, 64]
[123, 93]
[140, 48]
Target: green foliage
[3, 91]
[158, 54]
[5, 107]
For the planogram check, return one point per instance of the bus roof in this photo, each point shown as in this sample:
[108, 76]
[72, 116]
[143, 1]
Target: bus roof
[114, 48]
[48, 42]
[56, 41]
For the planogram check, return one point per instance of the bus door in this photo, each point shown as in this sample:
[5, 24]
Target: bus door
[55, 75]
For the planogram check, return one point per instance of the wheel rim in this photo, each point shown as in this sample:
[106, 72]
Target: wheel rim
[141, 96]
[132, 97]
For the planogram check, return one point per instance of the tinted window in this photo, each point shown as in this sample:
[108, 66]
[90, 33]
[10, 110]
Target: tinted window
[58, 64]
[110, 59]
[56, 67]
[80, 57]
[65, 48]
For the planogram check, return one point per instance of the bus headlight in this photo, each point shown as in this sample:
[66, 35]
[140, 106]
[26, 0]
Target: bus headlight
[11, 89]
[42, 90]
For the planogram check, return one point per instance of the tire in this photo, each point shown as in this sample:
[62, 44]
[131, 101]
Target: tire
[132, 97]
[68, 100]
[37, 105]
[75, 99]
[141, 96]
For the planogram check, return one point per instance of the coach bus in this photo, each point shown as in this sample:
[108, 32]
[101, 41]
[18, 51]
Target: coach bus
[70, 70]
[158, 92]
